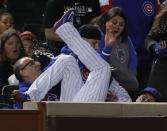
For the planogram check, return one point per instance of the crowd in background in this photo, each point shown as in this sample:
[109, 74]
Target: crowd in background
[129, 35]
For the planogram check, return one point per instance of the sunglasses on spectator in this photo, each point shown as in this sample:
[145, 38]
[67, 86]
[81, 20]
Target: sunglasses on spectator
[31, 62]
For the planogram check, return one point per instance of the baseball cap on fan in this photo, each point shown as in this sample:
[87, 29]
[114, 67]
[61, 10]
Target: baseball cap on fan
[153, 91]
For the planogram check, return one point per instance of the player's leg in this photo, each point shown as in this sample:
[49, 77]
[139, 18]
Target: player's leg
[96, 86]
[64, 69]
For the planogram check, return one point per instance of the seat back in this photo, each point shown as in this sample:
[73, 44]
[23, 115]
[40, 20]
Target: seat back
[6, 93]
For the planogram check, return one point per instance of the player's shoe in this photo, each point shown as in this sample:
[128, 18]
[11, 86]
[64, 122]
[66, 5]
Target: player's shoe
[67, 17]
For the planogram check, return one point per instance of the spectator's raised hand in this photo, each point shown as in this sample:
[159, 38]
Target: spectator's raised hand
[111, 37]
[114, 29]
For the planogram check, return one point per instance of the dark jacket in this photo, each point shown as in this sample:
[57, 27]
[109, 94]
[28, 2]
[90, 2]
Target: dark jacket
[6, 70]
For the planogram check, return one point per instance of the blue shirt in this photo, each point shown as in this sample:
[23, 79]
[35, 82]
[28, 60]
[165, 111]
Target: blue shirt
[140, 15]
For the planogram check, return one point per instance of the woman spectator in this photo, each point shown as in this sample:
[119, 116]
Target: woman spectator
[11, 49]
[139, 24]
[123, 56]
[6, 20]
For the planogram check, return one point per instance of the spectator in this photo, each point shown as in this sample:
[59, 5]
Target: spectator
[123, 56]
[28, 39]
[139, 24]
[11, 49]
[149, 94]
[157, 45]
[6, 20]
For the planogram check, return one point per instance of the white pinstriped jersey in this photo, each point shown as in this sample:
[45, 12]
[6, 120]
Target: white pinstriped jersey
[120, 92]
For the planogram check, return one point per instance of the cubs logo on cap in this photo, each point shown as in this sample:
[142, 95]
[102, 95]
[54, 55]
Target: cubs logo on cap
[148, 8]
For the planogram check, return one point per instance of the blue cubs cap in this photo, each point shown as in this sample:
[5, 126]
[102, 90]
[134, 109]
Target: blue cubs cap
[153, 92]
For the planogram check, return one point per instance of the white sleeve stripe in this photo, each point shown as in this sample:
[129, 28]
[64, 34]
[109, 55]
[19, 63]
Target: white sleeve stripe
[105, 53]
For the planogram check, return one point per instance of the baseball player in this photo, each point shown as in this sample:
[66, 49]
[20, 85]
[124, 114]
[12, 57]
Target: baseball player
[92, 34]
[96, 86]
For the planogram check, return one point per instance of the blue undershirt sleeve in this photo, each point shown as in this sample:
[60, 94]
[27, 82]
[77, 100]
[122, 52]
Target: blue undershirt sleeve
[133, 61]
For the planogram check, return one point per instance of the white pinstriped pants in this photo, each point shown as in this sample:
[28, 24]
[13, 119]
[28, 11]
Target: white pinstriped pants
[64, 69]
[96, 86]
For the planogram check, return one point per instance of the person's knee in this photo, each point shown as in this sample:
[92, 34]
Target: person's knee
[66, 60]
